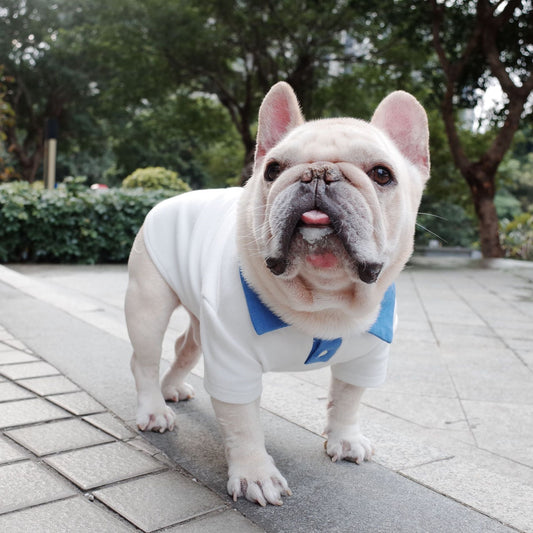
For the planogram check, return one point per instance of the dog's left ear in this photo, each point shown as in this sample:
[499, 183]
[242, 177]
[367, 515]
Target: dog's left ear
[279, 113]
[405, 121]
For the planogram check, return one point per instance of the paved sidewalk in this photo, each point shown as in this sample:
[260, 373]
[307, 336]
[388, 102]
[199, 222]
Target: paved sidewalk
[456, 415]
[68, 464]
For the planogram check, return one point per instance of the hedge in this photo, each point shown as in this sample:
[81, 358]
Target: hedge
[71, 224]
[155, 178]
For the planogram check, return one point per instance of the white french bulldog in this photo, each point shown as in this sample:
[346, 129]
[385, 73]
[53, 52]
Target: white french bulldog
[294, 271]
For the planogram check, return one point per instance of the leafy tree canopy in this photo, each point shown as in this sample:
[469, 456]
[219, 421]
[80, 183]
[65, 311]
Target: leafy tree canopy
[178, 83]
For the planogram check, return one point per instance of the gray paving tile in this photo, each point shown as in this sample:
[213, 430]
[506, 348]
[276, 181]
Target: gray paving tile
[26, 483]
[11, 356]
[140, 443]
[218, 522]
[66, 516]
[28, 370]
[59, 436]
[5, 343]
[9, 391]
[10, 343]
[429, 411]
[514, 437]
[484, 490]
[9, 452]
[173, 499]
[29, 411]
[103, 464]
[110, 424]
[78, 403]
[49, 385]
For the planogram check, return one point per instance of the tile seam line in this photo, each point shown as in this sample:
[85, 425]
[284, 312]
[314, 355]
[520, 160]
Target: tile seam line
[7, 343]
[422, 304]
[487, 324]
[34, 505]
[384, 411]
[452, 380]
[404, 474]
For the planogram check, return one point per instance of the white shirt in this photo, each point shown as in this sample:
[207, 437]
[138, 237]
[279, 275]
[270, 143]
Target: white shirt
[191, 240]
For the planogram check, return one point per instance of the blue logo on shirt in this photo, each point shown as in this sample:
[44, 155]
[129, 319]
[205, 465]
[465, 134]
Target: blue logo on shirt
[265, 321]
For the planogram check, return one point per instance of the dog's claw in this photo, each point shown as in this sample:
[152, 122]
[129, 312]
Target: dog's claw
[177, 392]
[262, 490]
[352, 446]
[157, 418]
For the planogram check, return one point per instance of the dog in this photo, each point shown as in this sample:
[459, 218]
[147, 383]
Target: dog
[293, 271]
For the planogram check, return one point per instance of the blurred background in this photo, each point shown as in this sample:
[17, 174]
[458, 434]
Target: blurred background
[143, 99]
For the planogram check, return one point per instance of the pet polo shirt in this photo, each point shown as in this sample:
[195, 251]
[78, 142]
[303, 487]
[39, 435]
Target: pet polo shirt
[191, 240]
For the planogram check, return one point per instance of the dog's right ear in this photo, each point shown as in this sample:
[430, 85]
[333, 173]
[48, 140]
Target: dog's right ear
[279, 113]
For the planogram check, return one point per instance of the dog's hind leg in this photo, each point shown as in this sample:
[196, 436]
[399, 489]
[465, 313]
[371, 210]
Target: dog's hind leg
[149, 304]
[187, 350]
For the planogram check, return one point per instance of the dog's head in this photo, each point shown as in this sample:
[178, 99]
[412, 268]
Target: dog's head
[327, 220]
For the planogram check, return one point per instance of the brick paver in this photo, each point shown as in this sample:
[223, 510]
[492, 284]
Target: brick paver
[57, 445]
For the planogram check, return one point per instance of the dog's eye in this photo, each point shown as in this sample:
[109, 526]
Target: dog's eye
[381, 175]
[272, 171]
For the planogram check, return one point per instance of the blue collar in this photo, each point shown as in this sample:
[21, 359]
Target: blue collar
[265, 321]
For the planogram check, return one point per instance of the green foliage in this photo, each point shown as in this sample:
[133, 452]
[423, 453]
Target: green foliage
[445, 221]
[48, 79]
[516, 177]
[71, 223]
[6, 119]
[141, 83]
[517, 237]
[178, 132]
[155, 178]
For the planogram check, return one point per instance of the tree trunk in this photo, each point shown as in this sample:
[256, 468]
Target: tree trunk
[248, 167]
[489, 234]
[482, 187]
[29, 154]
[481, 175]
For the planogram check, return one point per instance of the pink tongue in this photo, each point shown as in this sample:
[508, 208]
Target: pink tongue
[315, 218]
[325, 260]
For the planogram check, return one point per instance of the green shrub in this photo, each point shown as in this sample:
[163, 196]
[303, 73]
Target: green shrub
[517, 237]
[71, 223]
[155, 178]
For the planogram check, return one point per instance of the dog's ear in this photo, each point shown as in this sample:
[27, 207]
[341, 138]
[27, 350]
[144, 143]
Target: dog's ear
[278, 114]
[405, 121]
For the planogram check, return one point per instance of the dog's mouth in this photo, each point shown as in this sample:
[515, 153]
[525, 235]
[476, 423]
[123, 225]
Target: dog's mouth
[314, 227]
[318, 217]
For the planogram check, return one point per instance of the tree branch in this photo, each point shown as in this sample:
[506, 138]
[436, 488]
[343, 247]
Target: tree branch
[451, 73]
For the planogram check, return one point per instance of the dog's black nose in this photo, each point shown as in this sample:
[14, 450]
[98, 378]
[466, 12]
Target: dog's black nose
[369, 272]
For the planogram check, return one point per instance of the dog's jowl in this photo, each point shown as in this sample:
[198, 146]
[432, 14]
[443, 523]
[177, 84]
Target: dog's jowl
[294, 271]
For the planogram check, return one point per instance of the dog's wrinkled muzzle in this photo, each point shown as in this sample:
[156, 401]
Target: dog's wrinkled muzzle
[319, 189]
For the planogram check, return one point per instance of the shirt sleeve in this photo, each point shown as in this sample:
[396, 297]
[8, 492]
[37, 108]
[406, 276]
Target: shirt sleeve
[369, 370]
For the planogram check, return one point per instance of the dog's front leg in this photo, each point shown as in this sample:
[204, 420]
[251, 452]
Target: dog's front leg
[251, 471]
[345, 440]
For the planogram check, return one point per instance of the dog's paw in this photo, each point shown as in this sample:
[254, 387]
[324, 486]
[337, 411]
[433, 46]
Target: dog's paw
[258, 481]
[349, 444]
[177, 393]
[155, 416]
